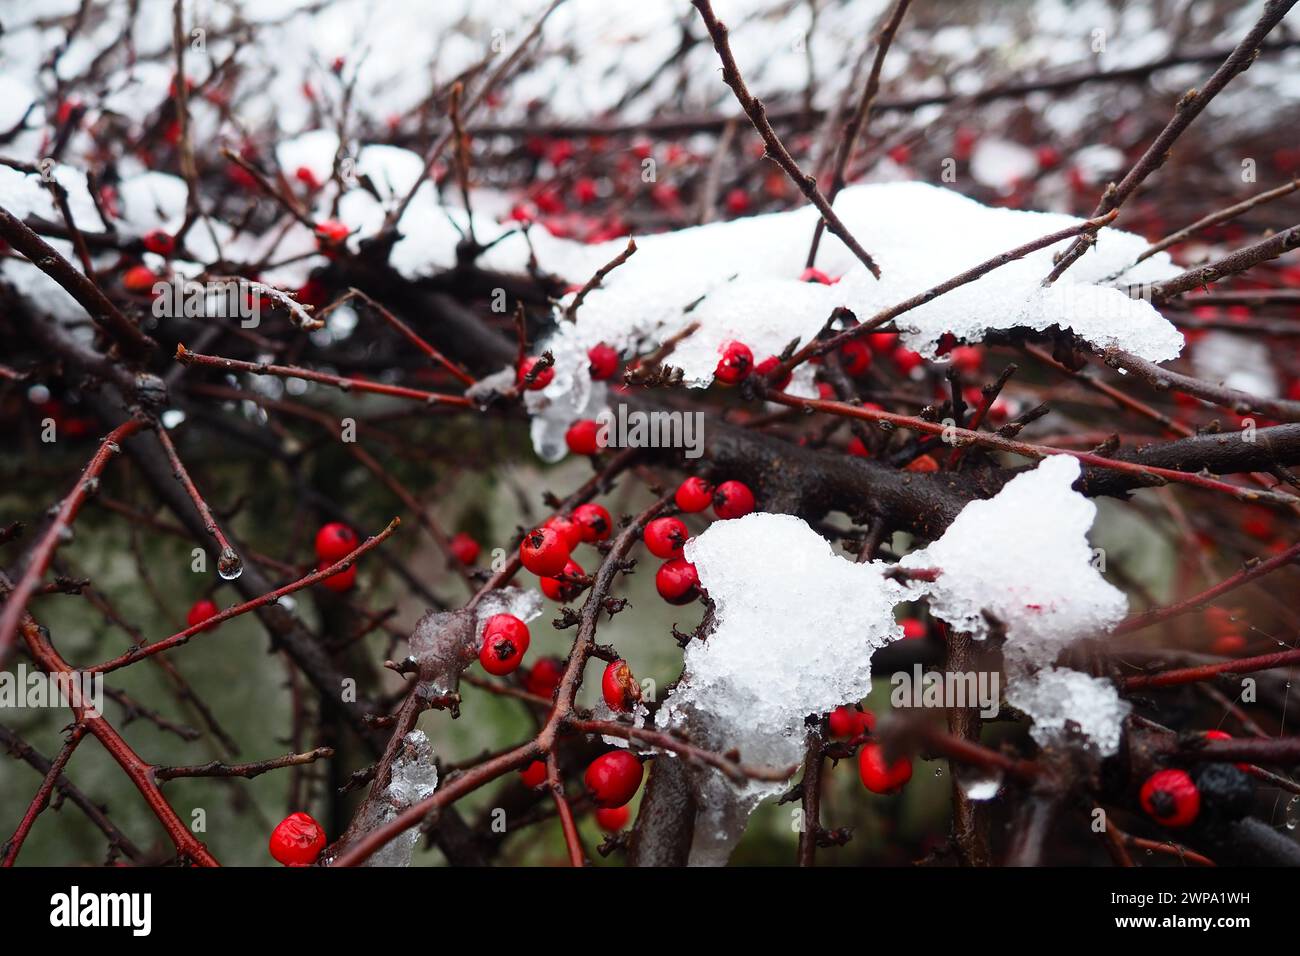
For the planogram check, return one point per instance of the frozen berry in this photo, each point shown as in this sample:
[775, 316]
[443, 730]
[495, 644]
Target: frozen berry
[694, 494]
[340, 581]
[664, 537]
[297, 840]
[583, 437]
[1170, 797]
[534, 775]
[604, 361]
[677, 581]
[544, 552]
[544, 677]
[335, 541]
[331, 233]
[914, 628]
[505, 641]
[879, 777]
[594, 521]
[737, 361]
[619, 687]
[612, 779]
[464, 548]
[538, 381]
[816, 275]
[906, 361]
[564, 589]
[200, 612]
[733, 499]
[612, 819]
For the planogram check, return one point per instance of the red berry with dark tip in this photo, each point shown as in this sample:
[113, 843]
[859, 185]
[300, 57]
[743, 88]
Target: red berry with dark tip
[544, 552]
[604, 362]
[733, 499]
[878, 776]
[539, 381]
[677, 581]
[505, 641]
[612, 779]
[334, 541]
[582, 437]
[847, 721]
[200, 612]
[737, 361]
[564, 590]
[464, 548]
[159, 241]
[855, 356]
[694, 494]
[569, 529]
[664, 537]
[297, 840]
[1170, 797]
[594, 521]
[619, 687]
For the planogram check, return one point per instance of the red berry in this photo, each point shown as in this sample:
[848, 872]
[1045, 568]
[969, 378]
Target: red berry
[594, 521]
[694, 494]
[585, 191]
[534, 775]
[570, 531]
[677, 581]
[139, 279]
[619, 687]
[582, 437]
[664, 537]
[1171, 798]
[879, 777]
[857, 448]
[967, 358]
[737, 202]
[923, 464]
[561, 590]
[331, 233]
[1228, 644]
[612, 779]
[816, 275]
[1048, 157]
[906, 361]
[159, 241]
[612, 819]
[1224, 735]
[883, 343]
[901, 154]
[848, 721]
[305, 176]
[1258, 523]
[544, 552]
[733, 499]
[855, 356]
[768, 366]
[464, 548]
[505, 641]
[737, 361]
[200, 612]
[297, 840]
[544, 677]
[334, 541]
[914, 628]
[340, 581]
[604, 361]
[540, 380]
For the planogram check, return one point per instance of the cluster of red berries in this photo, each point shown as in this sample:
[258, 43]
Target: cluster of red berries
[876, 773]
[505, 642]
